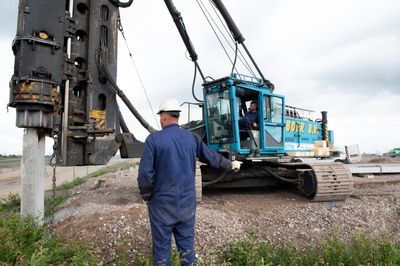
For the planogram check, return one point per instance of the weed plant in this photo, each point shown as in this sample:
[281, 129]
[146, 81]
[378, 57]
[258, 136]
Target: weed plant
[361, 250]
[22, 242]
[13, 203]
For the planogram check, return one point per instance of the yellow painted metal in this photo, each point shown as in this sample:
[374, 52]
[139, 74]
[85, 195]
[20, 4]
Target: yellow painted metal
[43, 35]
[100, 117]
[35, 92]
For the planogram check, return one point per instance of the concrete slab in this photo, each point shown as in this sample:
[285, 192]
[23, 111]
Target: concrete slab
[374, 168]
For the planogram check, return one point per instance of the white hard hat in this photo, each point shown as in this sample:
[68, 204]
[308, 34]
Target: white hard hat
[169, 105]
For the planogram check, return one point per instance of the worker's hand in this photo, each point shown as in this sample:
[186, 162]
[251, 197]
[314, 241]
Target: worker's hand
[236, 165]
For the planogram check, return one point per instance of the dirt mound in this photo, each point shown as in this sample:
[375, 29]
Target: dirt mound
[113, 217]
[385, 159]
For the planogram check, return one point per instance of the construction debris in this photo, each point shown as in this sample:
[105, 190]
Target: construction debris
[114, 217]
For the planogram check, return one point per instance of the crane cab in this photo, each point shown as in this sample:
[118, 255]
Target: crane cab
[225, 111]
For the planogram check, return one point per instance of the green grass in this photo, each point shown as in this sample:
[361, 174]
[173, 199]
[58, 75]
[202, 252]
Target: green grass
[362, 250]
[11, 205]
[63, 191]
[145, 259]
[22, 242]
[10, 157]
[102, 171]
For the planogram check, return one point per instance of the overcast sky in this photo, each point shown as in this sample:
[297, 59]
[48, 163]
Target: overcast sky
[334, 55]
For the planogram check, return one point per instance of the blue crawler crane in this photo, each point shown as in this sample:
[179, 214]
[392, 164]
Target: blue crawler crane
[266, 157]
[64, 84]
[267, 149]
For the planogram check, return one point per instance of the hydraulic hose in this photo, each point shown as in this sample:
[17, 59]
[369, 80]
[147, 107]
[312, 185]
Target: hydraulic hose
[101, 60]
[122, 123]
[229, 21]
[237, 35]
[124, 126]
[130, 106]
[121, 4]
[180, 25]
[194, 83]
[287, 180]
[204, 184]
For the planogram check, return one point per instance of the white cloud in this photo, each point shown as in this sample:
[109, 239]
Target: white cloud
[339, 56]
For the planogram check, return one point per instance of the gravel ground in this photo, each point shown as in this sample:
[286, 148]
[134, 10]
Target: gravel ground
[114, 217]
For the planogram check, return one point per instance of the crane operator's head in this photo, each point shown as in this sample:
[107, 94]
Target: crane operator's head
[169, 111]
[253, 106]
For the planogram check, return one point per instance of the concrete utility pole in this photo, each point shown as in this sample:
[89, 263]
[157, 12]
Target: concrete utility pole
[32, 174]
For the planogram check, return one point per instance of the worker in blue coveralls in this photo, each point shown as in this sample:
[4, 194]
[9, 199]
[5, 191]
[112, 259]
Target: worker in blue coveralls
[167, 183]
[250, 119]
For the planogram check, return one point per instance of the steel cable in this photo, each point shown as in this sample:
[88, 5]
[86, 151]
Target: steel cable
[242, 58]
[101, 62]
[212, 27]
[121, 29]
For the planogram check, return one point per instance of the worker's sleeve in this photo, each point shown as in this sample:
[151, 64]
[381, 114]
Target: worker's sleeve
[210, 157]
[146, 170]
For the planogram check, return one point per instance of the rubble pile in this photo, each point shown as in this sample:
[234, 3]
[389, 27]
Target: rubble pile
[114, 219]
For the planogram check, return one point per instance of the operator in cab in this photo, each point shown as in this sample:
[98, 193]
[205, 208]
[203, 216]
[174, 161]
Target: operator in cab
[250, 119]
[167, 183]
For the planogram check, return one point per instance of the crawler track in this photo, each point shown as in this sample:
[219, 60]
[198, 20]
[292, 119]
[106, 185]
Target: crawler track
[317, 181]
[334, 181]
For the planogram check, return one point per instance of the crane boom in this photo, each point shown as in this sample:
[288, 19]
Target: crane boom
[176, 16]
[237, 35]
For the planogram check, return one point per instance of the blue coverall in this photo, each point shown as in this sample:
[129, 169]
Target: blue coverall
[247, 120]
[167, 181]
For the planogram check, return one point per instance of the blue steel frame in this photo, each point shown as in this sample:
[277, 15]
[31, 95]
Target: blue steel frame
[296, 135]
[232, 83]
[301, 134]
[271, 150]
